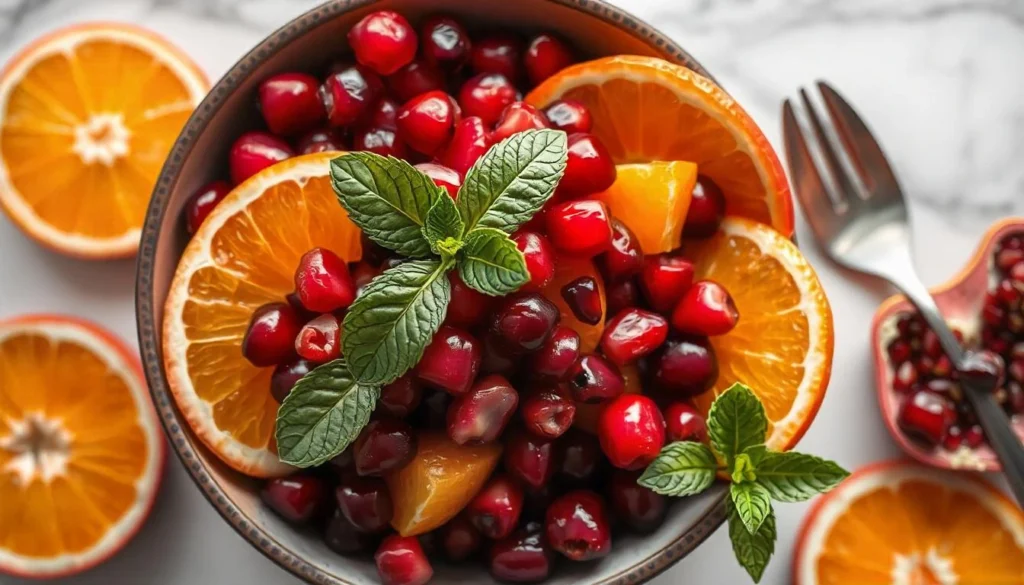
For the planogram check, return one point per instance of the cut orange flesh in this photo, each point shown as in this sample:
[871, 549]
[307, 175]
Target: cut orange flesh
[87, 117]
[900, 523]
[438, 483]
[243, 256]
[568, 269]
[652, 200]
[81, 452]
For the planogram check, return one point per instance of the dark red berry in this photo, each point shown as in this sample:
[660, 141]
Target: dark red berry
[685, 367]
[323, 282]
[707, 209]
[401, 561]
[385, 113]
[927, 416]
[383, 41]
[499, 53]
[467, 307]
[518, 117]
[580, 228]
[486, 95]
[427, 122]
[444, 41]
[319, 340]
[589, 168]
[362, 274]
[285, 376]
[570, 116]
[349, 94]
[529, 458]
[631, 430]
[594, 379]
[442, 176]
[549, 411]
[522, 557]
[497, 359]
[384, 444]
[416, 78]
[495, 510]
[577, 526]
[401, 397]
[545, 56]
[322, 140]
[365, 501]
[344, 538]
[705, 309]
[540, 258]
[459, 539]
[270, 338]
[202, 203]
[524, 322]
[451, 361]
[254, 151]
[905, 377]
[664, 280]
[382, 141]
[974, 436]
[639, 508]
[579, 456]
[470, 141]
[625, 257]
[953, 439]
[290, 104]
[632, 334]
[621, 295]
[683, 422]
[296, 498]
[899, 351]
[584, 299]
[553, 359]
[480, 415]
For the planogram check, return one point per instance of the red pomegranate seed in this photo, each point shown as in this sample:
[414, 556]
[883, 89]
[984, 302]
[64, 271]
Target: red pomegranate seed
[495, 510]
[451, 361]
[621, 295]
[444, 41]
[589, 168]
[569, 115]
[904, 379]
[497, 359]
[524, 323]
[319, 341]
[642, 510]
[202, 203]
[523, 557]
[927, 416]
[943, 367]
[426, 123]
[401, 397]
[580, 228]
[579, 456]
[577, 526]
[344, 538]
[362, 274]
[414, 79]
[270, 338]
[365, 501]
[548, 412]
[594, 379]
[286, 375]
[459, 538]
[255, 151]
[899, 351]
[323, 282]
[707, 209]
[349, 94]
[631, 430]
[518, 117]
[321, 140]
[625, 257]
[974, 436]
[584, 299]
[553, 359]
[705, 309]
[385, 113]
[290, 104]
[486, 95]
[664, 280]
[382, 141]
[401, 561]
[499, 53]
[469, 142]
[384, 444]
[467, 307]
[383, 41]
[529, 458]
[296, 498]
[480, 415]
[632, 334]
[953, 439]
[1007, 258]
[443, 177]
[685, 367]
[545, 56]
[540, 258]
[684, 423]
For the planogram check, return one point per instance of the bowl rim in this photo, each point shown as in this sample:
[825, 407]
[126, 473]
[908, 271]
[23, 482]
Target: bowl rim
[148, 330]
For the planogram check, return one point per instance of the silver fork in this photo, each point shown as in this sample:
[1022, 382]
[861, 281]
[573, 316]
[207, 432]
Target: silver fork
[856, 209]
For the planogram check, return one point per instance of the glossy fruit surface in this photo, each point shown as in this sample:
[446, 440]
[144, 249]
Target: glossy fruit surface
[495, 510]
[365, 502]
[401, 397]
[319, 340]
[382, 141]
[548, 412]
[518, 117]
[642, 510]
[459, 539]
[270, 337]
[553, 359]
[577, 526]
[653, 199]
[589, 168]
[467, 307]
[323, 282]
[451, 361]
[469, 142]
[349, 93]
[593, 379]
[529, 458]
[383, 41]
[664, 280]
[523, 557]
[296, 498]
[707, 209]
[684, 423]
[321, 140]
[545, 56]
[384, 444]
[584, 299]
[486, 96]
[444, 177]
[927, 416]
[579, 456]
[254, 151]
[202, 203]
[498, 53]
[289, 103]
[567, 269]
[480, 415]
[443, 40]
[524, 322]
[401, 561]
[632, 334]
[625, 257]
[416, 78]
[286, 375]
[570, 116]
[580, 228]
[426, 122]
[705, 309]
[632, 431]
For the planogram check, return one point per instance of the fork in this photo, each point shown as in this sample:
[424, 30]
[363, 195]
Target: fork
[858, 214]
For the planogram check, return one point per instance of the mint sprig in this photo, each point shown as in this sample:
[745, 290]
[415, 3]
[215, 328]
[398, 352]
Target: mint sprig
[737, 426]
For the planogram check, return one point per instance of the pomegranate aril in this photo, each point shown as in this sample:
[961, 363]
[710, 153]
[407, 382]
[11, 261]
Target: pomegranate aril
[323, 282]
[401, 561]
[580, 228]
[451, 361]
[1015, 398]
[899, 351]
[286, 375]
[594, 379]
[685, 367]
[349, 94]
[499, 53]
[296, 498]
[625, 257]
[706, 211]
[365, 501]
[382, 141]
[469, 142]
[683, 422]
[383, 41]
[589, 167]
[522, 557]
[518, 117]
[480, 415]
[705, 309]
[641, 509]
[495, 510]
[579, 456]
[345, 539]
[621, 295]
[545, 56]
[401, 397]
[385, 113]
[384, 444]
[632, 334]
[254, 151]
[529, 458]
[486, 95]
[443, 40]
[289, 103]
[1007, 258]
[927, 416]
[953, 439]
[459, 539]
[443, 177]
[202, 203]
[270, 338]
[664, 280]
[570, 116]
[540, 258]
[467, 307]
[577, 526]
[497, 359]
[344, 461]
[905, 378]
[414, 79]
[362, 274]
[426, 122]
[631, 430]
[548, 412]
[319, 340]
[322, 140]
[524, 323]
[974, 436]
[584, 299]
[553, 359]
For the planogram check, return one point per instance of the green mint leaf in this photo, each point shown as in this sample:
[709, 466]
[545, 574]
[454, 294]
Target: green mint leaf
[443, 227]
[756, 454]
[752, 550]
[387, 198]
[491, 263]
[796, 477]
[683, 468]
[743, 470]
[736, 421]
[322, 415]
[513, 180]
[752, 503]
[394, 319]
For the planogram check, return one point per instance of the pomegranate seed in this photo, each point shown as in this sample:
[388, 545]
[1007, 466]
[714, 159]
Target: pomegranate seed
[433, 410]
[382, 141]
[255, 151]
[553, 359]
[470, 141]
[621, 295]
[285, 376]
[444, 41]
[632, 334]
[529, 458]
[947, 388]
[545, 56]
[401, 397]
[343, 461]
[344, 538]
[459, 538]
[570, 116]
[1016, 278]
[943, 367]
[684, 423]
[467, 307]
[953, 439]
[1015, 371]
[524, 323]
[540, 258]
[579, 456]
[686, 366]
[348, 94]
[384, 444]
[290, 104]
[707, 209]
[523, 557]
[580, 228]
[497, 54]
[401, 561]
[594, 379]
[625, 257]
[577, 526]
[1007, 258]
[426, 122]
[385, 114]
[549, 412]
[202, 203]
[1015, 397]
[927, 416]
[319, 341]
[899, 351]
[323, 282]
[270, 338]
[631, 430]
[974, 436]
[451, 361]
[705, 309]
[495, 510]
[362, 274]
[904, 379]
[931, 345]
[664, 280]
[297, 498]
[444, 177]
[497, 359]
[322, 140]
[642, 510]
[993, 315]
[383, 41]
[416, 78]
[480, 415]
[518, 117]
[486, 95]
[589, 168]
[365, 501]
[584, 299]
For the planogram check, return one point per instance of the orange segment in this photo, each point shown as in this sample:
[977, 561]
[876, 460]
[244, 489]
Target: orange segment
[568, 269]
[652, 199]
[782, 346]
[646, 109]
[81, 453]
[439, 482]
[244, 256]
[87, 117]
[902, 523]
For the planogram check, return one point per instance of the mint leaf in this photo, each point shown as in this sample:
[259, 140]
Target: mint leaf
[491, 263]
[322, 415]
[393, 320]
[743, 469]
[683, 468]
[387, 198]
[513, 180]
[795, 477]
[752, 504]
[444, 224]
[752, 550]
[736, 421]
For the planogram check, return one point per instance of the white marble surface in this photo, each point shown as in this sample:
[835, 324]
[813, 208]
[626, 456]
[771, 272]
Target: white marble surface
[935, 78]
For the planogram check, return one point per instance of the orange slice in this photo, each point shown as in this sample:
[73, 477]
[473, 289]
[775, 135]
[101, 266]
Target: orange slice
[568, 269]
[782, 346]
[438, 483]
[243, 256]
[652, 199]
[897, 523]
[81, 452]
[87, 117]
[646, 109]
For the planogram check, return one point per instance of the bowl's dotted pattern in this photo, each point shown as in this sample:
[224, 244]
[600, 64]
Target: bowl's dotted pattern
[149, 331]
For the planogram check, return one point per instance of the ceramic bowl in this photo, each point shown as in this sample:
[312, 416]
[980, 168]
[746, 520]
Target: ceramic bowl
[199, 155]
[960, 301]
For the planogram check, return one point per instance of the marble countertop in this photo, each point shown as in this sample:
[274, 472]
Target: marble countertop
[934, 78]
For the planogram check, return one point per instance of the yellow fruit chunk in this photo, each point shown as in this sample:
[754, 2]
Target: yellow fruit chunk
[652, 199]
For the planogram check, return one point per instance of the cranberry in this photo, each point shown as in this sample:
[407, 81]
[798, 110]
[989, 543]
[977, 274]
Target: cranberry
[480, 415]
[401, 561]
[401, 397]
[580, 228]
[365, 501]
[384, 444]
[289, 103]
[382, 141]
[578, 455]
[319, 341]
[255, 151]
[383, 41]
[486, 95]
[632, 334]
[625, 257]
[444, 41]
[202, 203]
[632, 431]
[974, 436]
[414, 79]
[927, 416]
[270, 338]
[577, 526]
[385, 114]
[570, 116]
[620, 295]
[349, 94]
[451, 361]
[553, 359]
[705, 309]
[707, 209]
[641, 509]
[296, 498]
[323, 282]
[584, 299]
[686, 366]
[546, 56]
[285, 376]
[530, 458]
[444, 177]
[549, 412]
[467, 307]
[426, 122]
[540, 258]
[499, 53]
[469, 142]
[322, 140]
[523, 557]
[524, 322]
[684, 423]
[589, 168]
[459, 538]
[495, 510]
[518, 117]
[594, 379]
[344, 538]
[664, 280]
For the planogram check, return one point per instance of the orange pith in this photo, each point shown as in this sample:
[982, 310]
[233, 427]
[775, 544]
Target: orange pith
[900, 523]
[81, 453]
[568, 269]
[87, 117]
[243, 256]
[652, 200]
[439, 482]
[646, 109]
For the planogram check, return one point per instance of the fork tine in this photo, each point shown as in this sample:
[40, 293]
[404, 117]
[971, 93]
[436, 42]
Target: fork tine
[810, 189]
[847, 193]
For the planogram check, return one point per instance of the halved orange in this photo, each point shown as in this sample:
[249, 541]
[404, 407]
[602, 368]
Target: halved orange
[646, 109]
[782, 346]
[81, 452]
[568, 269]
[87, 117]
[243, 256]
[901, 523]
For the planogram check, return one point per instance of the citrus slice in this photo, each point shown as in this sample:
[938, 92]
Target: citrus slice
[81, 452]
[901, 523]
[439, 481]
[87, 117]
[243, 256]
[646, 109]
[782, 346]
[568, 269]
[652, 200]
